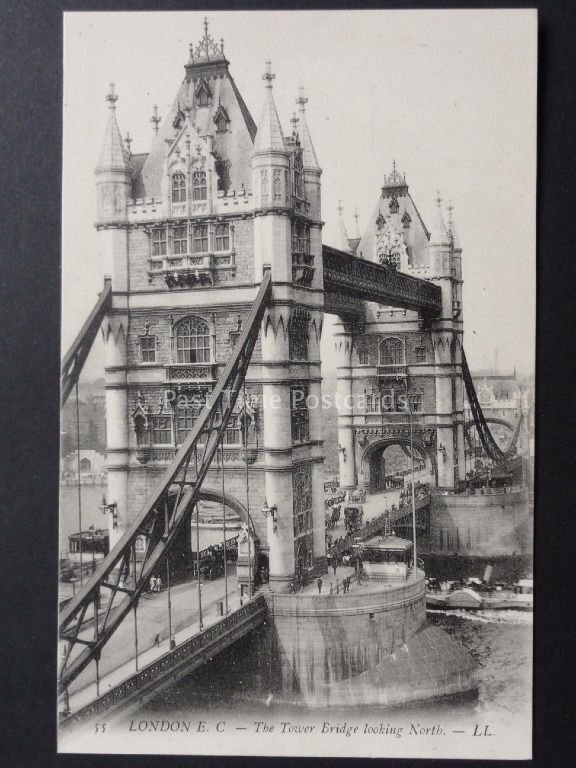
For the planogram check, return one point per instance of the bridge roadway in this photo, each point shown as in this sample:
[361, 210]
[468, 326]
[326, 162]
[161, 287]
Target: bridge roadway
[117, 667]
[118, 664]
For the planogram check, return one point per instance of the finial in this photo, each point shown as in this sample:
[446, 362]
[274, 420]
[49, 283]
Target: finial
[301, 100]
[268, 76]
[222, 45]
[111, 97]
[394, 167]
[294, 120]
[155, 119]
[438, 198]
[205, 26]
[340, 208]
[128, 142]
[450, 208]
[356, 215]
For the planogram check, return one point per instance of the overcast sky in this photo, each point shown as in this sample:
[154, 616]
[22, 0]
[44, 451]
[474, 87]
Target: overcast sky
[451, 95]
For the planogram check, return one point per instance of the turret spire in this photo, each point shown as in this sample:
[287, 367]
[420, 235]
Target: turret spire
[344, 244]
[309, 158]
[452, 228]
[269, 134]
[114, 155]
[439, 235]
[156, 120]
[356, 225]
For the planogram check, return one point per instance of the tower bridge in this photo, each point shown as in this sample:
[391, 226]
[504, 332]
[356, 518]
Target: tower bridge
[212, 314]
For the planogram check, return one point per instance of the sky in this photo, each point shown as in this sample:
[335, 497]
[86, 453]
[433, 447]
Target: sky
[450, 95]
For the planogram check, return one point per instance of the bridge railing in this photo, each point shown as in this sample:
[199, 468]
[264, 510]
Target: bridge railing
[161, 666]
[374, 526]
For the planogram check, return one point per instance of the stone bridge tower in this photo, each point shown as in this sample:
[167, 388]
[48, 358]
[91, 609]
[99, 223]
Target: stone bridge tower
[394, 366]
[186, 232]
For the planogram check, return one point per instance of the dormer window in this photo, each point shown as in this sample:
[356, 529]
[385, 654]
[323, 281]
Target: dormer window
[221, 119]
[178, 188]
[199, 187]
[203, 94]
[394, 205]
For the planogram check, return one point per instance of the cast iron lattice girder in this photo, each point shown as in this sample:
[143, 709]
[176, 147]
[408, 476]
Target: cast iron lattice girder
[489, 444]
[348, 276]
[75, 358]
[160, 519]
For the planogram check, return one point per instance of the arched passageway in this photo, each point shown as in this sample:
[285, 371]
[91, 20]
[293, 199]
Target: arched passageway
[387, 459]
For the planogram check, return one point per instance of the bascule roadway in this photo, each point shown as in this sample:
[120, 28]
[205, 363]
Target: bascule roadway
[118, 655]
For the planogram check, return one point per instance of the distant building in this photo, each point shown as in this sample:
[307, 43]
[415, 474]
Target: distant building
[92, 419]
[92, 465]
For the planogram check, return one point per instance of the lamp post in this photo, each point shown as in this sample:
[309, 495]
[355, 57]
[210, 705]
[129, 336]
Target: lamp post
[271, 511]
[413, 490]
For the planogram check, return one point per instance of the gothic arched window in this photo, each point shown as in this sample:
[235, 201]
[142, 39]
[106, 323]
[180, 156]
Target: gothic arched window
[199, 188]
[391, 352]
[178, 188]
[222, 237]
[297, 171]
[192, 341]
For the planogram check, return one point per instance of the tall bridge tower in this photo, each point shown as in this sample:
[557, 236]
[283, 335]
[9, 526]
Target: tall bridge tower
[399, 371]
[186, 233]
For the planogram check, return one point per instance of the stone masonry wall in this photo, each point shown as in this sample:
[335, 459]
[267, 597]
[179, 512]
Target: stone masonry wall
[479, 525]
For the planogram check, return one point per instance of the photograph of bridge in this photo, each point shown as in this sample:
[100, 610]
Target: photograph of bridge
[296, 473]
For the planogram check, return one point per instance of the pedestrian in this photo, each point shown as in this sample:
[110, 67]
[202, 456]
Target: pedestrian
[335, 565]
[331, 588]
[153, 584]
[158, 584]
[157, 640]
[319, 582]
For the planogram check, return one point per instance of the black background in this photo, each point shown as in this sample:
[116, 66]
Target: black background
[30, 194]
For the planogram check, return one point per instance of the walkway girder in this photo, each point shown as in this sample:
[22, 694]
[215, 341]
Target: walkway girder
[348, 280]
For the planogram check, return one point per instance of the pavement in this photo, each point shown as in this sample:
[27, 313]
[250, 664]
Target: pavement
[118, 655]
[118, 661]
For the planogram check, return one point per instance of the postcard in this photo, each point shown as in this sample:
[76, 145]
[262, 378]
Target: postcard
[297, 389]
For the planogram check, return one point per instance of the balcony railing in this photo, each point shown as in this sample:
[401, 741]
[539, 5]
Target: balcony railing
[395, 371]
[302, 268]
[190, 270]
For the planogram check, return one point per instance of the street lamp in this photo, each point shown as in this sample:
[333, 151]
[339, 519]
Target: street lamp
[111, 508]
[271, 511]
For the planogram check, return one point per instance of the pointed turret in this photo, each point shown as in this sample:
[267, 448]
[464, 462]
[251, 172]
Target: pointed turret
[309, 157]
[114, 188]
[269, 135]
[271, 185]
[452, 231]
[356, 225]
[439, 234]
[114, 156]
[344, 244]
